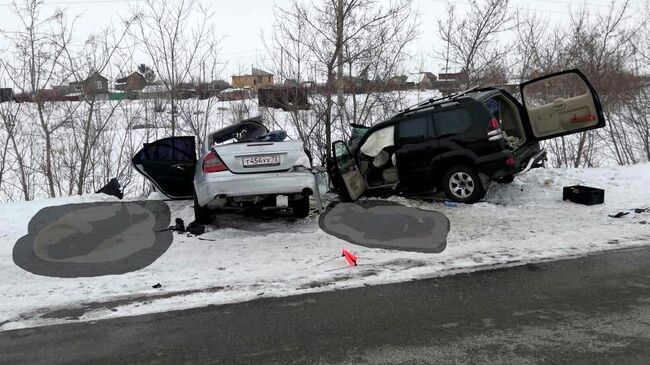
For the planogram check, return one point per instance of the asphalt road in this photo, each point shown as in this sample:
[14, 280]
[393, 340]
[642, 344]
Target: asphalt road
[588, 310]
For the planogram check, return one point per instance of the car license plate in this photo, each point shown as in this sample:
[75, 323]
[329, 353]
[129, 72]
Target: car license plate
[281, 201]
[266, 160]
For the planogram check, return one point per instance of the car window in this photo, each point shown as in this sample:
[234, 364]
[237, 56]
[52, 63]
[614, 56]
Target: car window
[452, 122]
[548, 90]
[343, 157]
[358, 131]
[414, 130]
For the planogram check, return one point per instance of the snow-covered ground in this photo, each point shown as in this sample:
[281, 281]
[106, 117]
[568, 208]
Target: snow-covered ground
[250, 258]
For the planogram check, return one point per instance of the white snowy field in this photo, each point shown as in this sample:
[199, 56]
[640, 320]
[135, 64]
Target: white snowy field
[250, 258]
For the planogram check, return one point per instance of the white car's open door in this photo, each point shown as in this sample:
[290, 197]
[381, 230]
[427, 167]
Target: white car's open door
[169, 164]
[561, 103]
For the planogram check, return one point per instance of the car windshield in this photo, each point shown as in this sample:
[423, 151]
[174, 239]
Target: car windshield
[358, 131]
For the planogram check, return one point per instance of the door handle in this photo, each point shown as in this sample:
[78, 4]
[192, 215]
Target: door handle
[180, 166]
[559, 107]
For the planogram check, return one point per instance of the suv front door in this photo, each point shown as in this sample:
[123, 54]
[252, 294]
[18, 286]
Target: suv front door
[347, 171]
[561, 103]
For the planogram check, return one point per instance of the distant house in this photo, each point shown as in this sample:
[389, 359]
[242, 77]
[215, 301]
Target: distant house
[449, 83]
[428, 81]
[95, 84]
[255, 80]
[77, 86]
[453, 77]
[6, 94]
[155, 90]
[133, 82]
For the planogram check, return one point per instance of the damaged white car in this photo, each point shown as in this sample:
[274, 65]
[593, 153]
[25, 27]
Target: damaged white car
[243, 166]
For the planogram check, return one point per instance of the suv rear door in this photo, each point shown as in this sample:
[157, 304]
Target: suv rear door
[169, 164]
[561, 103]
[416, 149]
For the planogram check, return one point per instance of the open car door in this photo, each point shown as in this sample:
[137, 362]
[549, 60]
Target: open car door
[169, 164]
[561, 103]
[348, 171]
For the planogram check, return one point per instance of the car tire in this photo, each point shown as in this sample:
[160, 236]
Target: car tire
[300, 207]
[463, 185]
[202, 215]
[506, 179]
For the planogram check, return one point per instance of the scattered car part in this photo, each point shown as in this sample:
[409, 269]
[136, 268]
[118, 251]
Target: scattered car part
[196, 228]
[619, 215]
[583, 195]
[113, 188]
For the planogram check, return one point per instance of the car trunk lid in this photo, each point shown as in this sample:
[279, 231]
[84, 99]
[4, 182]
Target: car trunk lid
[251, 157]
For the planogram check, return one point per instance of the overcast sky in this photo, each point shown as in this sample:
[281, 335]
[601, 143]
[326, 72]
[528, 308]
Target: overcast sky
[241, 23]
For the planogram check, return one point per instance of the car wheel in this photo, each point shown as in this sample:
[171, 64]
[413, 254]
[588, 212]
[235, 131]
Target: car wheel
[462, 184]
[506, 179]
[202, 215]
[300, 207]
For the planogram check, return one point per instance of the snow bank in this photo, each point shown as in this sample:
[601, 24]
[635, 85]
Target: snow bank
[519, 223]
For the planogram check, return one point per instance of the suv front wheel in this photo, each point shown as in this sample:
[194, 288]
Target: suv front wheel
[462, 184]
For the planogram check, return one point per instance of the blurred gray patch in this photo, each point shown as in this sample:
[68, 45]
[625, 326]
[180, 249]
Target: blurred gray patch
[94, 239]
[384, 224]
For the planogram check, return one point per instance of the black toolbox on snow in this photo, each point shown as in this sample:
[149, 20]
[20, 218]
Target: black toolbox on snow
[583, 195]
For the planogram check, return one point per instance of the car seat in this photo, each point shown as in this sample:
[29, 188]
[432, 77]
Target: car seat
[390, 175]
[380, 160]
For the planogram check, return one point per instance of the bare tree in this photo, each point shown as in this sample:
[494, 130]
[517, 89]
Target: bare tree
[178, 37]
[90, 118]
[195, 113]
[37, 51]
[602, 45]
[471, 41]
[339, 34]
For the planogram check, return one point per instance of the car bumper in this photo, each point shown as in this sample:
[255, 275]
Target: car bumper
[223, 185]
[536, 161]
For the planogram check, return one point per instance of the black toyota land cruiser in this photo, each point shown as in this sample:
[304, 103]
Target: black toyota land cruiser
[462, 142]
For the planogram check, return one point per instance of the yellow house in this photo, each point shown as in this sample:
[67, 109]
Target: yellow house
[255, 80]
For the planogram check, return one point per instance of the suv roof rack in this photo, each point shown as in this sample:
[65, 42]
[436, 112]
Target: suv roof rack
[432, 101]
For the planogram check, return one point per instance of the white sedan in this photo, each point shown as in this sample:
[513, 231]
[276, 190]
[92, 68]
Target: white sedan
[245, 167]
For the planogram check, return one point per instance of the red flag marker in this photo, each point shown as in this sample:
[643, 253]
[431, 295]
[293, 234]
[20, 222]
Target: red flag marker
[352, 260]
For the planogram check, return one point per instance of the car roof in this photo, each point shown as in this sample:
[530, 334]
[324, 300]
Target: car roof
[478, 94]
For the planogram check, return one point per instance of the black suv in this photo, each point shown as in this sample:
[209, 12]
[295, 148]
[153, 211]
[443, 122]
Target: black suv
[462, 142]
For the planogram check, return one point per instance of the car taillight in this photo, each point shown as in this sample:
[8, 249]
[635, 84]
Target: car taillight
[212, 163]
[494, 130]
[494, 124]
[510, 161]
